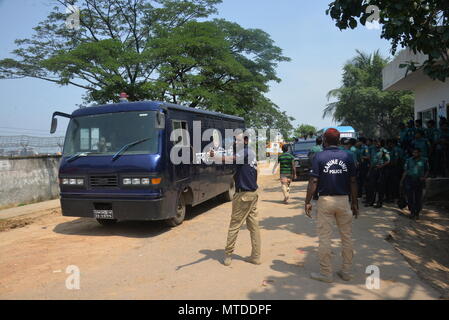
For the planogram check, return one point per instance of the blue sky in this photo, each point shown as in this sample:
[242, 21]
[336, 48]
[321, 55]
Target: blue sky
[300, 27]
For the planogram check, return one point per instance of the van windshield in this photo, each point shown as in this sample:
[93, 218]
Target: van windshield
[106, 134]
[303, 146]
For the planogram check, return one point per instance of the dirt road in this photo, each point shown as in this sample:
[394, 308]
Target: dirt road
[151, 261]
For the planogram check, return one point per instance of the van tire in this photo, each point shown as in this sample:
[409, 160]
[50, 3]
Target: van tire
[106, 222]
[229, 195]
[180, 213]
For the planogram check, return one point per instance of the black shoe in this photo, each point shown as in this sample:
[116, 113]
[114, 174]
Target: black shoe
[377, 206]
[369, 205]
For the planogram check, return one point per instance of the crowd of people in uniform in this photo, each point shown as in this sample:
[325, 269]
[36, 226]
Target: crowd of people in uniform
[343, 170]
[390, 170]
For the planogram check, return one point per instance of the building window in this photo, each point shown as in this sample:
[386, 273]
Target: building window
[429, 114]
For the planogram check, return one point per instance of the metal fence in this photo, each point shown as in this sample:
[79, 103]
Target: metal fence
[29, 145]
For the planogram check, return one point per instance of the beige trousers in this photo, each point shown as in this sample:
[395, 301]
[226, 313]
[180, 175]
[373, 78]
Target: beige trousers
[329, 210]
[285, 183]
[244, 208]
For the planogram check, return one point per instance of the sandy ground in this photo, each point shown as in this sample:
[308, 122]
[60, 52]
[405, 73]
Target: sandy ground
[425, 245]
[150, 261]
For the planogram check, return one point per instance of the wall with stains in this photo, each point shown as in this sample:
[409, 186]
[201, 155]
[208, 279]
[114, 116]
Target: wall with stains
[29, 179]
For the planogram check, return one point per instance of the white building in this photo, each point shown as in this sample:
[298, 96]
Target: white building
[431, 96]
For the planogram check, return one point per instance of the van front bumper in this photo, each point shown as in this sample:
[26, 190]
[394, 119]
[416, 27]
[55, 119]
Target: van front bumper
[122, 209]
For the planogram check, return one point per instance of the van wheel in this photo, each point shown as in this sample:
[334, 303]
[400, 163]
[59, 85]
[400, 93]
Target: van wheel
[107, 222]
[229, 195]
[180, 213]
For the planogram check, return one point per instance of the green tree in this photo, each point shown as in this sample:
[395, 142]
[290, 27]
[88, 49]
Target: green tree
[305, 131]
[157, 50]
[421, 25]
[361, 102]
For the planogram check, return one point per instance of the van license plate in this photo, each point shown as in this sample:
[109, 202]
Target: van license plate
[103, 214]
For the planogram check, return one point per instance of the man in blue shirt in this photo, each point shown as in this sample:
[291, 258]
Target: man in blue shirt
[432, 134]
[380, 159]
[244, 203]
[415, 174]
[364, 166]
[394, 170]
[402, 135]
[333, 174]
[410, 136]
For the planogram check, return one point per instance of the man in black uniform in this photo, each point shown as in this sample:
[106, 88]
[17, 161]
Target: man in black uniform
[334, 175]
[244, 203]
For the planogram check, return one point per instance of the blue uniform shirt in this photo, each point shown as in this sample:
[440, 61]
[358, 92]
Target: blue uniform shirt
[246, 175]
[333, 168]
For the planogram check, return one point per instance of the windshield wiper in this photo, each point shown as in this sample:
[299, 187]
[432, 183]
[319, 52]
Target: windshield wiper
[127, 146]
[78, 155]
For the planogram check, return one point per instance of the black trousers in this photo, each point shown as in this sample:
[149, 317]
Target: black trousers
[376, 186]
[393, 174]
[362, 178]
[414, 191]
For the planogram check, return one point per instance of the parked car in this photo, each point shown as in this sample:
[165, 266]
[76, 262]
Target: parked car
[300, 151]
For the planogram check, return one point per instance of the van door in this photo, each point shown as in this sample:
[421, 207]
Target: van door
[182, 171]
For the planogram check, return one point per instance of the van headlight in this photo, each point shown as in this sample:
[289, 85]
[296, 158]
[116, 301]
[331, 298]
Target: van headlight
[72, 182]
[144, 181]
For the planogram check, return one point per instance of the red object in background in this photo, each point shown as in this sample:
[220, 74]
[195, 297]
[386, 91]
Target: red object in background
[332, 136]
[124, 95]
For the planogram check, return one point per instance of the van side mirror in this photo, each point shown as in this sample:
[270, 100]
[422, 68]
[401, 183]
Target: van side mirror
[54, 125]
[54, 121]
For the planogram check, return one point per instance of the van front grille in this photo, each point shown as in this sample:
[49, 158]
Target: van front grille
[103, 181]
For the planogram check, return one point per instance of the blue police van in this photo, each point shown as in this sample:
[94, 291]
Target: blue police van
[116, 162]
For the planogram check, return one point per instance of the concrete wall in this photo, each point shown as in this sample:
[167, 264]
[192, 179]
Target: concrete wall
[29, 179]
[396, 78]
[431, 94]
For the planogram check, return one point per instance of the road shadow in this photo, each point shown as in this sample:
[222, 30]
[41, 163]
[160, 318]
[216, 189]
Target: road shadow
[216, 255]
[295, 282]
[372, 248]
[130, 229]
[298, 224]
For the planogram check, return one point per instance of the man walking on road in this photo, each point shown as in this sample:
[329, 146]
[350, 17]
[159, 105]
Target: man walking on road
[288, 171]
[334, 175]
[244, 203]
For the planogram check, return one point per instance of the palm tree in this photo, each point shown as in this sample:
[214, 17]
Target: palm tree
[360, 101]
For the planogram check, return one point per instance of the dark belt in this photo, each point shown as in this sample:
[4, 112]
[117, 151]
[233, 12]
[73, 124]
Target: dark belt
[241, 190]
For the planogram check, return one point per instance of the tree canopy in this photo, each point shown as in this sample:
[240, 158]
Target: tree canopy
[361, 102]
[305, 131]
[421, 25]
[162, 50]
